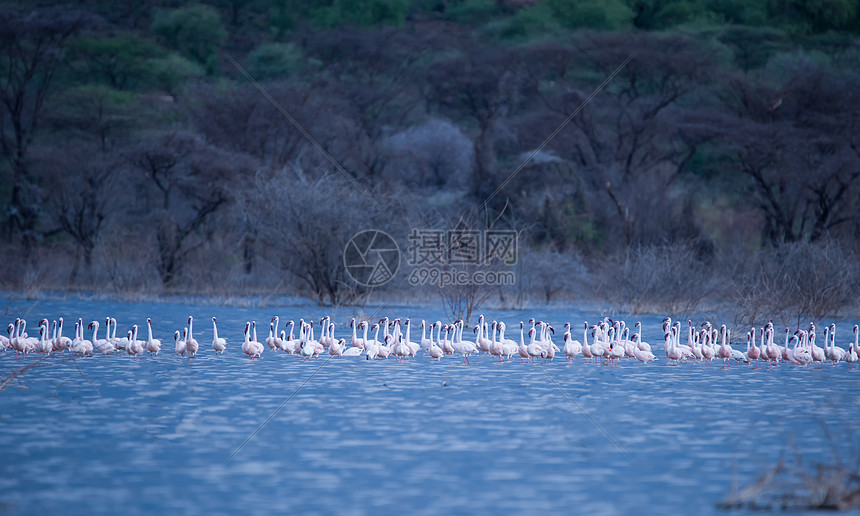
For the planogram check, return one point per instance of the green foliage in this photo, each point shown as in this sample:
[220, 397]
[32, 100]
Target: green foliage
[814, 16]
[172, 71]
[662, 14]
[472, 11]
[274, 60]
[363, 12]
[591, 14]
[93, 112]
[118, 61]
[195, 31]
[752, 46]
[530, 23]
[740, 12]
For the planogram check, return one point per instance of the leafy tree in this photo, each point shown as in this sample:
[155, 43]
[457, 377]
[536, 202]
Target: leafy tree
[94, 113]
[663, 14]
[592, 14]
[173, 71]
[120, 61]
[274, 60]
[195, 31]
[360, 12]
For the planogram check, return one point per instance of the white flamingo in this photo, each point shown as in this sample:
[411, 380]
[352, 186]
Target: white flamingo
[152, 345]
[218, 344]
[191, 344]
[642, 355]
[852, 355]
[180, 341]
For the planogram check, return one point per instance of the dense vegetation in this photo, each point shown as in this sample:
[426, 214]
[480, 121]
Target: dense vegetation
[721, 164]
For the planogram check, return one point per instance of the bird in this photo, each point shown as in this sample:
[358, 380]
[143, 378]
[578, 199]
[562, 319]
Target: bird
[180, 342]
[191, 344]
[251, 348]
[642, 355]
[725, 349]
[135, 347]
[219, 344]
[572, 347]
[152, 345]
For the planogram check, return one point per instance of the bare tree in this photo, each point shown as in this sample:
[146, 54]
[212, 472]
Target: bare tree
[370, 82]
[31, 49]
[434, 154]
[303, 224]
[488, 85]
[797, 143]
[190, 181]
[79, 196]
[626, 143]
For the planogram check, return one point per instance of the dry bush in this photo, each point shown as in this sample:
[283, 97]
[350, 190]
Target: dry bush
[668, 278]
[302, 225]
[796, 281]
[549, 274]
[127, 262]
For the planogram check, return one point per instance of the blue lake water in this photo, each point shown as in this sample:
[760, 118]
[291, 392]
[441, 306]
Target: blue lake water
[119, 435]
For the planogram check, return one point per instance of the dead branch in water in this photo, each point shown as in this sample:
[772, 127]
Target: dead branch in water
[39, 363]
[834, 486]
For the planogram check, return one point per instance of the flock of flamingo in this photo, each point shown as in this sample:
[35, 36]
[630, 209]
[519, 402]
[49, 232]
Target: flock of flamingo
[610, 342]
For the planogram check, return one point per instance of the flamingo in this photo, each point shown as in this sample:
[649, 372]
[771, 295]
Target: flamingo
[271, 340]
[352, 352]
[336, 348]
[772, 351]
[644, 346]
[45, 345]
[462, 347]
[61, 343]
[6, 342]
[753, 353]
[586, 349]
[81, 346]
[290, 345]
[103, 345]
[799, 357]
[218, 344]
[834, 353]
[191, 344]
[725, 349]
[672, 351]
[251, 348]
[433, 350]
[425, 342]
[522, 349]
[534, 350]
[180, 343]
[852, 355]
[152, 345]
[279, 342]
[118, 343]
[708, 352]
[356, 342]
[135, 347]
[642, 355]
